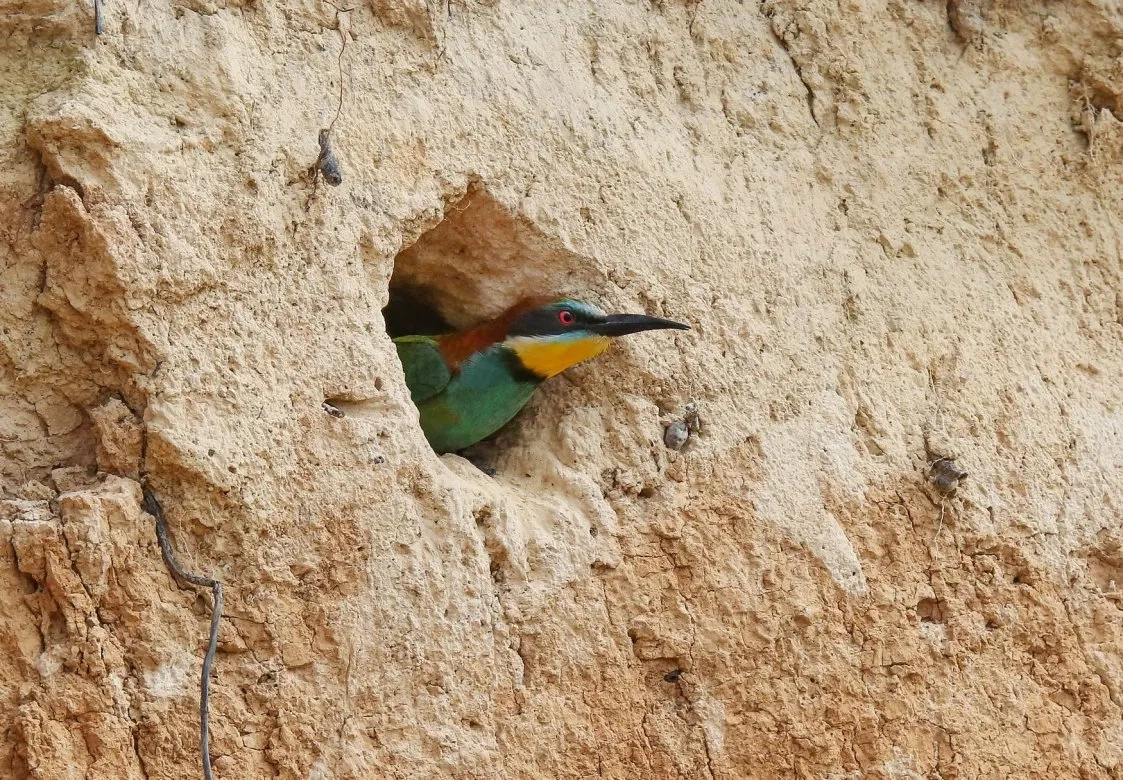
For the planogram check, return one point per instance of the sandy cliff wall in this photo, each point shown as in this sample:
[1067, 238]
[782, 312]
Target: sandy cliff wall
[895, 227]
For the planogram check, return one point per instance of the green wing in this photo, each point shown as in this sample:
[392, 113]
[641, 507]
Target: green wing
[426, 371]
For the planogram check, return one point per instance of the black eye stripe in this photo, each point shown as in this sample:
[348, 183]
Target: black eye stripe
[546, 322]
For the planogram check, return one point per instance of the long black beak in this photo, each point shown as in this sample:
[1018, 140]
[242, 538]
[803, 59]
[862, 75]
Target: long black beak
[623, 324]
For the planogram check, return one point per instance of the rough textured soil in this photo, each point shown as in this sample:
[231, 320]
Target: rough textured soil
[896, 230]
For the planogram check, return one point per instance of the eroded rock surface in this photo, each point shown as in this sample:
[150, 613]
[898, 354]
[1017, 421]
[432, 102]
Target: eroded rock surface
[895, 227]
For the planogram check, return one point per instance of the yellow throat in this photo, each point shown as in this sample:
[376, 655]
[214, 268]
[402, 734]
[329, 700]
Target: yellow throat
[550, 355]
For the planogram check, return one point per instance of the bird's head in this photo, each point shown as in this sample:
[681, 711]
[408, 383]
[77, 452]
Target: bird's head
[548, 337]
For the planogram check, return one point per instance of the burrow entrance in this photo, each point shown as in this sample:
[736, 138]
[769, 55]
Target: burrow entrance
[478, 260]
[473, 264]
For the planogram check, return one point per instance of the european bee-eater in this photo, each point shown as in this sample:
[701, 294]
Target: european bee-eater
[470, 383]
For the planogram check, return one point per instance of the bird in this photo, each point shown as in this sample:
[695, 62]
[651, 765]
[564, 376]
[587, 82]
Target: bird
[468, 384]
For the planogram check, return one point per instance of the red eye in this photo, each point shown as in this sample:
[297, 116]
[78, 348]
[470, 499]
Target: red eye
[565, 317]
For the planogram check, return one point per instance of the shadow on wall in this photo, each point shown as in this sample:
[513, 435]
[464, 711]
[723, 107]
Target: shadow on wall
[474, 263]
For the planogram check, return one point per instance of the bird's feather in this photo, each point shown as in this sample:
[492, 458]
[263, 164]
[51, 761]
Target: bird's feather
[547, 357]
[425, 368]
[479, 399]
[458, 347]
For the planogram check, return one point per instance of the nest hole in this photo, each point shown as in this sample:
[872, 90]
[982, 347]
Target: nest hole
[480, 258]
[931, 611]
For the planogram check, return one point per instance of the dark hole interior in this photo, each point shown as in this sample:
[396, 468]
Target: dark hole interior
[411, 311]
[930, 611]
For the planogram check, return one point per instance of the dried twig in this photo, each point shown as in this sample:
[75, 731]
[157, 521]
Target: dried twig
[98, 26]
[344, 34]
[946, 475]
[327, 164]
[152, 506]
